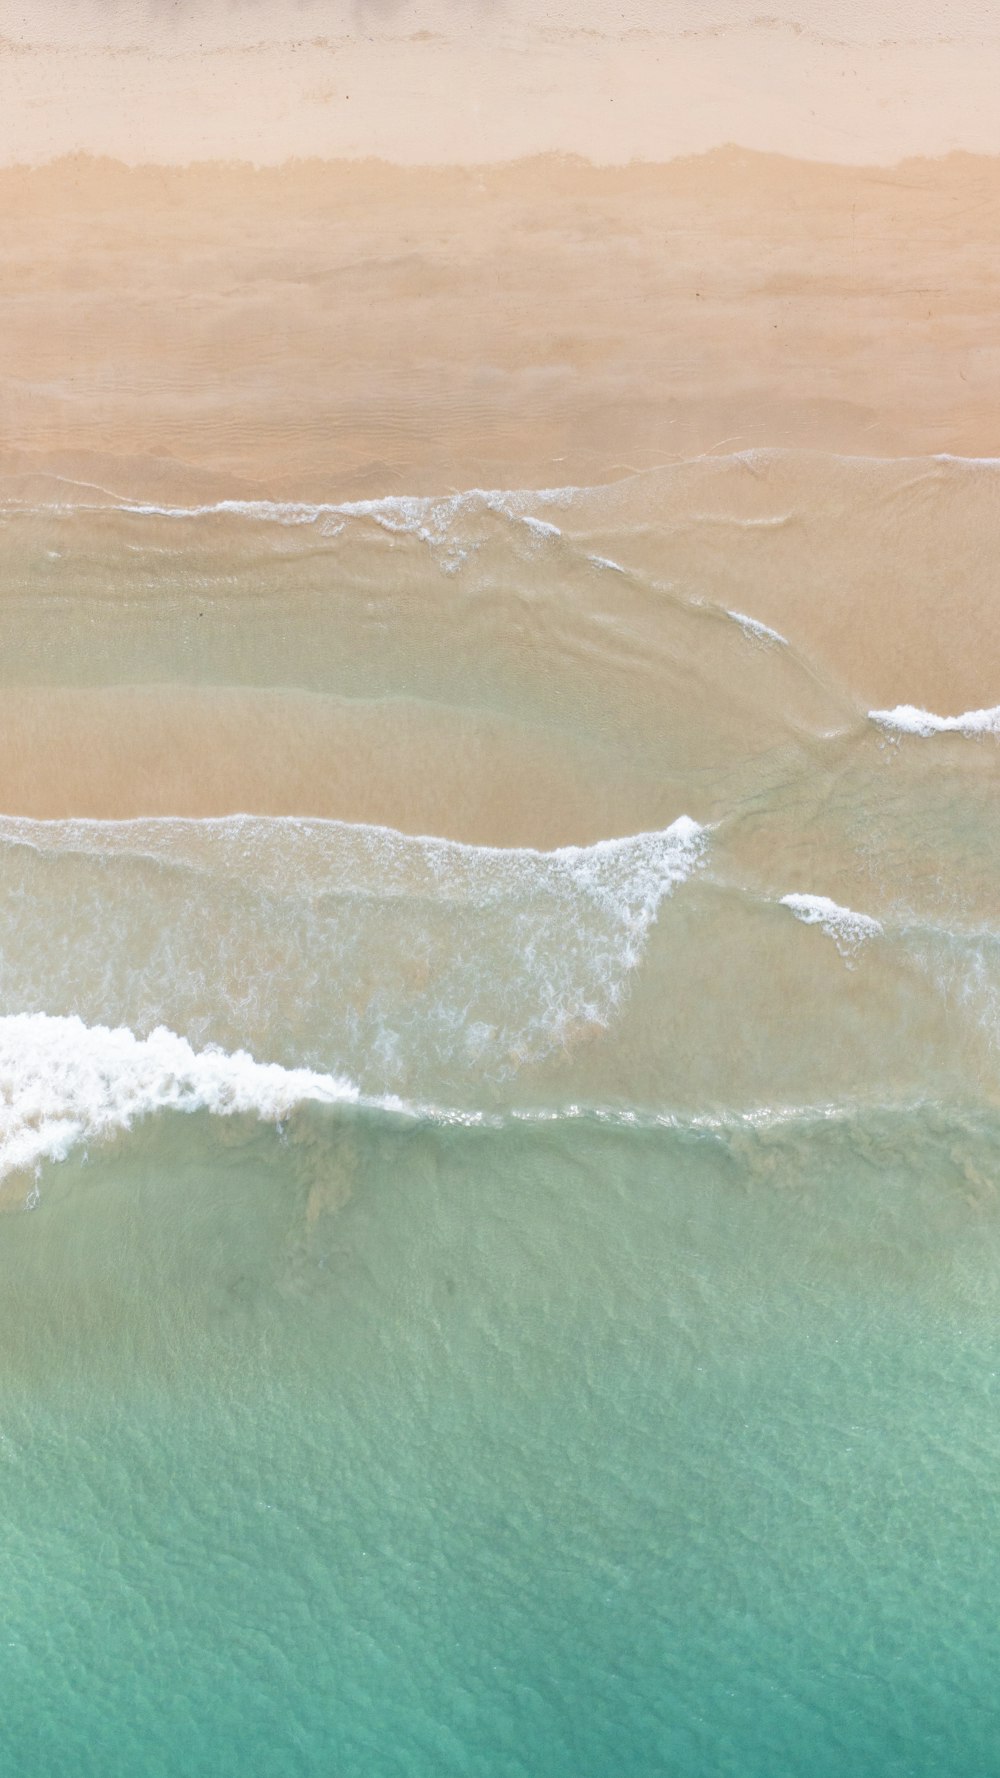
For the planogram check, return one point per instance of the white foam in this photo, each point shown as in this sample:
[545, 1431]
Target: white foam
[274, 512]
[675, 849]
[429, 517]
[906, 719]
[66, 1082]
[767, 522]
[63, 1083]
[967, 462]
[847, 928]
[414, 512]
[752, 627]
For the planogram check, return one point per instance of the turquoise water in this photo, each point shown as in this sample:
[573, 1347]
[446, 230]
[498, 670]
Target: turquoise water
[556, 1332]
[386, 1447]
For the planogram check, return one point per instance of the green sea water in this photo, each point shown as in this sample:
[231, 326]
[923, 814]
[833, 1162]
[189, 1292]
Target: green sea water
[386, 1447]
[514, 1297]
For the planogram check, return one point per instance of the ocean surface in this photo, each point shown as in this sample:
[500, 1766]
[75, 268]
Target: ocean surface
[500, 1130]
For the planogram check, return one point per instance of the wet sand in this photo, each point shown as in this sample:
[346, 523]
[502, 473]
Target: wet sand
[339, 321]
[115, 753]
[333, 329]
[535, 670]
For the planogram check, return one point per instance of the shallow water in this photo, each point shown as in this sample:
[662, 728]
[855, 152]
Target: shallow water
[415, 1449]
[499, 1068]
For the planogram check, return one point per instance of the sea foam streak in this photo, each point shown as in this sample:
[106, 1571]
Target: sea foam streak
[428, 516]
[906, 719]
[758, 632]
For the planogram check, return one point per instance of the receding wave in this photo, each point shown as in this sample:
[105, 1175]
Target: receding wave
[407, 964]
[637, 632]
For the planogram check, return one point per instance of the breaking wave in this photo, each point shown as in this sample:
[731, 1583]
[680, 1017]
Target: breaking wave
[63, 1083]
[906, 719]
[847, 928]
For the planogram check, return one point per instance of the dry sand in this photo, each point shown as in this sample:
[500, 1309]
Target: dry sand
[453, 81]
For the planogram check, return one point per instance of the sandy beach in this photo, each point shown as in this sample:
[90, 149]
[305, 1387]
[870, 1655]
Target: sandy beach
[520, 251]
[406, 247]
[435, 82]
[499, 944]
[117, 753]
[337, 329]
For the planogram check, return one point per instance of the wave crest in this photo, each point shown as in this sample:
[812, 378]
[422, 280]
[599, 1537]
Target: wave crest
[63, 1083]
[847, 928]
[906, 719]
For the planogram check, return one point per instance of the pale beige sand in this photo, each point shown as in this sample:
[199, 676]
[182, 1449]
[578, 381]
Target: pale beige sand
[334, 329]
[434, 81]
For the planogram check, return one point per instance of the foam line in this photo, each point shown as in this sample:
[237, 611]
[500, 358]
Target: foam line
[847, 928]
[428, 516]
[906, 719]
[752, 627]
[65, 1084]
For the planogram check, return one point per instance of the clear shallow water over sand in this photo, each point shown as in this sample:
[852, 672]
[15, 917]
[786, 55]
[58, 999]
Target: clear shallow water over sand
[499, 1016]
[423, 1449]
